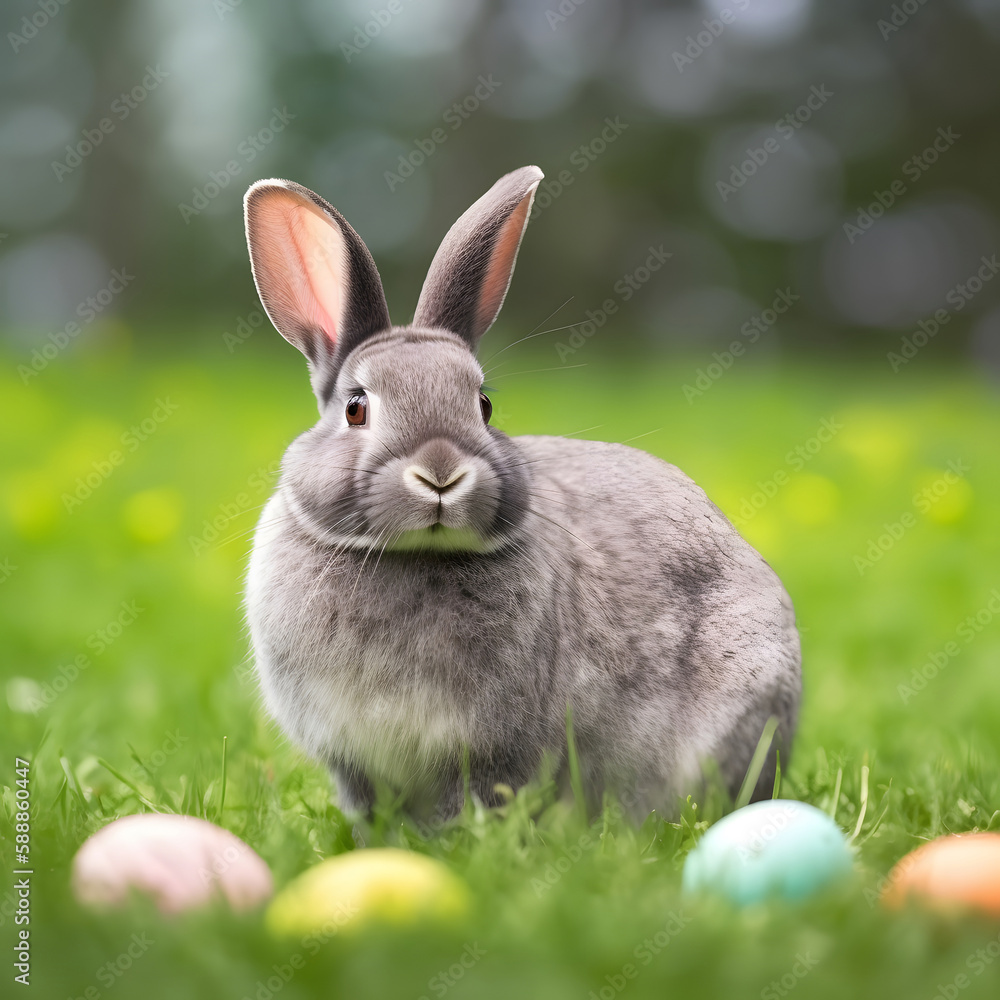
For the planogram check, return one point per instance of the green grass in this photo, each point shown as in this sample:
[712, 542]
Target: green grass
[155, 704]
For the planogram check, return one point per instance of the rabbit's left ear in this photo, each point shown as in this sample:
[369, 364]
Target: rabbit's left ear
[314, 274]
[469, 276]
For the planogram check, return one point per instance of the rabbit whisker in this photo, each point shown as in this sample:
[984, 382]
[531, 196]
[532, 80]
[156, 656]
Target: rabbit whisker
[532, 371]
[532, 333]
[637, 436]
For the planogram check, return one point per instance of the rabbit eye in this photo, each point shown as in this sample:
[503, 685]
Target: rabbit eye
[486, 406]
[357, 409]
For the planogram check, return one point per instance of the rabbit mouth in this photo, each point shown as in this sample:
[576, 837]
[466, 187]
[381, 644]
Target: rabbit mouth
[440, 538]
[438, 498]
[413, 525]
[442, 525]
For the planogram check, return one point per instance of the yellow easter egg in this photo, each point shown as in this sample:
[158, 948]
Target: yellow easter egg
[379, 884]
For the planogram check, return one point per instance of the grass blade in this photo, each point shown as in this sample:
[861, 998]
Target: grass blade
[835, 801]
[222, 793]
[864, 802]
[72, 783]
[757, 762]
[129, 784]
[575, 779]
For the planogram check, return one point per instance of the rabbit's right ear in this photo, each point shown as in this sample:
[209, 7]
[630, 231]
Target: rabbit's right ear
[470, 273]
[315, 277]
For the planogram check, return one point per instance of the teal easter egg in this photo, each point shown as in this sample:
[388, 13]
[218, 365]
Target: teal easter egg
[778, 848]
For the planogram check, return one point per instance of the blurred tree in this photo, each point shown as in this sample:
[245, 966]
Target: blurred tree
[844, 154]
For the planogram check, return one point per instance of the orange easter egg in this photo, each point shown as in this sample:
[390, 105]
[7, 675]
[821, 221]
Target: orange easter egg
[959, 871]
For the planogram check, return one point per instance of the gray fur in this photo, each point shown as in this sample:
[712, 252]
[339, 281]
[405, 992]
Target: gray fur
[453, 296]
[424, 588]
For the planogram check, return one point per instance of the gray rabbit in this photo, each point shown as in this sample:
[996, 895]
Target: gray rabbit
[426, 596]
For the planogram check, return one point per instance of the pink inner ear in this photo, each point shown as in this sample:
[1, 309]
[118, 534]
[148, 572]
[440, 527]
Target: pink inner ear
[302, 277]
[501, 265]
[322, 254]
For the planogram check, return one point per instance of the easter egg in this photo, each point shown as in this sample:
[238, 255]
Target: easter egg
[958, 871]
[181, 862]
[778, 848]
[383, 884]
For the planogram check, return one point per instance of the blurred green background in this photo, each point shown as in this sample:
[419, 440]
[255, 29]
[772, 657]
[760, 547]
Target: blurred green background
[761, 174]
[744, 143]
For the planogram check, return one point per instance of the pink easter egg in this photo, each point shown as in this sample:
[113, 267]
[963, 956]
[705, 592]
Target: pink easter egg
[181, 862]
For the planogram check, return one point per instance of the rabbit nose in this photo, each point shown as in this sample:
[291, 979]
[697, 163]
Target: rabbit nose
[438, 468]
[441, 485]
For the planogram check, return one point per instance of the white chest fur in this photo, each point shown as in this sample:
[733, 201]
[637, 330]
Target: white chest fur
[345, 698]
